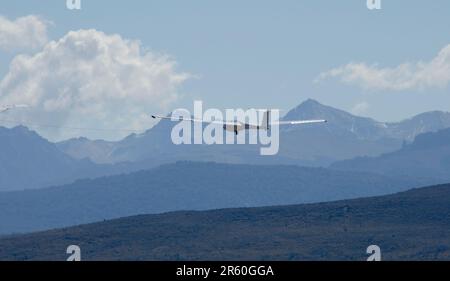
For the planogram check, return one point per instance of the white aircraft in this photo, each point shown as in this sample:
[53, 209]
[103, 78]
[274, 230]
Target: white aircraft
[9, 107]
[237, 126]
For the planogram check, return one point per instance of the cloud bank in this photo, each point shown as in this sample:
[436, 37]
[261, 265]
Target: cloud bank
[24, 33]
[407, 76]
[91, 79]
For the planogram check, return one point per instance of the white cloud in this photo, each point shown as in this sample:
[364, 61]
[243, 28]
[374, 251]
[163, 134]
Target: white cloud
[24, 33]
[94, 80]
[360, 108]
[407, 76]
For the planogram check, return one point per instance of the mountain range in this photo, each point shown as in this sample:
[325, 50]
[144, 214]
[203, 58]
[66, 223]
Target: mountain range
[29, 161]
[185, 186]
[345, 136]
[426, 158]
[147, 174]
[412, 225]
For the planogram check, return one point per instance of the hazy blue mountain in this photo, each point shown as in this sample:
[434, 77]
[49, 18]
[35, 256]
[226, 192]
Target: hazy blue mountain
[339, 121]
[345, 136]
[423, 123]
[155, 147]
[29, 161]
[184, 186]
[81, 148]
[413, 225]
[428, 157]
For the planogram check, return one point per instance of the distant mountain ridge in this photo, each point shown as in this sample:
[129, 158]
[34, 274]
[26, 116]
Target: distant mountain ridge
[29, 161]
[184, 186]
[81, 148]
[345, 136]
[339, 120]
[428, 158]
[408, 129]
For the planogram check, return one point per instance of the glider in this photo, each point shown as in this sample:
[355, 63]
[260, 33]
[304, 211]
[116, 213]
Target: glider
[237, 126]
[9, 107]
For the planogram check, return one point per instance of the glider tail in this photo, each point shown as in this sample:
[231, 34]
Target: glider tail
[265, 123]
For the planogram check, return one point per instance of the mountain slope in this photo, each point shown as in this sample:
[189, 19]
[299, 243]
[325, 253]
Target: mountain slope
[345, 136]
[432, 121]
[83, 148]
[413, 225]
[29, 161]
[428, 157]
[184, 186]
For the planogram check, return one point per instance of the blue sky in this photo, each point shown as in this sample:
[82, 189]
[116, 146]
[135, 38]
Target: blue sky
[269, 53]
